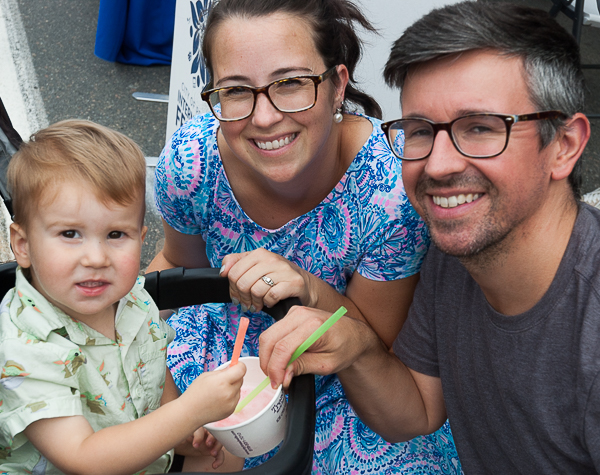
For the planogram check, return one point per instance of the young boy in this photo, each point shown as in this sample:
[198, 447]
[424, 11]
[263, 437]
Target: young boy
[82, 347]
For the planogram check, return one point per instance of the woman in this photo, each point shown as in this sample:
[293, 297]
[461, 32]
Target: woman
[292, 196]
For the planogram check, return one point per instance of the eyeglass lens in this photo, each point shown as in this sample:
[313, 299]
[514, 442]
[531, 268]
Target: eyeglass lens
[287, 95]
[476, 136]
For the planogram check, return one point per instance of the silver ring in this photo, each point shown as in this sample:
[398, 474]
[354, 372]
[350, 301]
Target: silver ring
[267, 280]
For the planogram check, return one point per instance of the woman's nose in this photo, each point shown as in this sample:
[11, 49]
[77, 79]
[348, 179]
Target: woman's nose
[265, 113]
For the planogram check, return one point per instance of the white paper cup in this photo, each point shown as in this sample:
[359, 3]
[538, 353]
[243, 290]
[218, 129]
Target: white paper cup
[261, 432]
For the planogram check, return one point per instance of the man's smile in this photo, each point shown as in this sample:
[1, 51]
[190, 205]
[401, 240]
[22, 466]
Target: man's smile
[454, 201]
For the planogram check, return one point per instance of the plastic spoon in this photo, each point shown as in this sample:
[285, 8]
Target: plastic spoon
[301, 349]
[239, 340]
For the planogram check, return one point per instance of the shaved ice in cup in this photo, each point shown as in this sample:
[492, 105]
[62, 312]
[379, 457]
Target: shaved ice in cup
[252, 408]
[260, 426]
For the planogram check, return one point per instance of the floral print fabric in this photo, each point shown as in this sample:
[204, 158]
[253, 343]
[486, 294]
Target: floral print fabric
[366, 225]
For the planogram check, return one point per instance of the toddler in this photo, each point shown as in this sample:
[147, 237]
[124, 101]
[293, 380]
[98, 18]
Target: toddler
[82, 347]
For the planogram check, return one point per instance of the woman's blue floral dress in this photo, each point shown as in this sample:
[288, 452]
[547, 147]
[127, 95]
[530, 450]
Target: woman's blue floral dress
[365, 225]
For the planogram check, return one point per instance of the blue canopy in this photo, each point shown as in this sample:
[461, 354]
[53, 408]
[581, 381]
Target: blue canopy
[135, 31]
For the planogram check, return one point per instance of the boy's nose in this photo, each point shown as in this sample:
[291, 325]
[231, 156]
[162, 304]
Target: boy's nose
[95, 255]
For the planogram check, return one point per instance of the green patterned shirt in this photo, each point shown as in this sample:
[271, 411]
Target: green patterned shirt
[55, 366]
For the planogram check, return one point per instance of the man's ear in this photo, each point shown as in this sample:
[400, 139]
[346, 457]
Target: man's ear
[572, 139]
[20, 245]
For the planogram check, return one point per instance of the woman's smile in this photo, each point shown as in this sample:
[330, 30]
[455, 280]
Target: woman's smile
[276, 143]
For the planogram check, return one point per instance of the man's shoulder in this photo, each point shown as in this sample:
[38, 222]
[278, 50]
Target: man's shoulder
[584, 247]
[588, 219]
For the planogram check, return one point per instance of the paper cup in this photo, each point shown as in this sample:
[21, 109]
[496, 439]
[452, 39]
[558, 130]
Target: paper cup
[261, 432]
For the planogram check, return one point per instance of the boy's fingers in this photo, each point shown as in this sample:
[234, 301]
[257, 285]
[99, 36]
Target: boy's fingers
[219, 459]
[198, 437]
[235, 373]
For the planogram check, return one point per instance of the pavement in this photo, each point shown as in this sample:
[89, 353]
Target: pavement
[47, 48]
[52, 46]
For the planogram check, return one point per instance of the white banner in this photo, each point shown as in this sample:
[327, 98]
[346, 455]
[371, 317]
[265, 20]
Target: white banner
[189, 75]
[391, 18]
[188, 71]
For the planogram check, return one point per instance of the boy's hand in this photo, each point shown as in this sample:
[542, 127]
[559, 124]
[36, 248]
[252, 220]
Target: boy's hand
[202, 444]
[205, 443]
[216, 393]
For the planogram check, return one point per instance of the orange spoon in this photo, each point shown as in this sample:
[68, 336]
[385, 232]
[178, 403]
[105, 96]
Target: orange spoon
[239, 340]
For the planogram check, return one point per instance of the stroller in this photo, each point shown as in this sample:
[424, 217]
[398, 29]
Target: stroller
[180, 287]
[10, 141]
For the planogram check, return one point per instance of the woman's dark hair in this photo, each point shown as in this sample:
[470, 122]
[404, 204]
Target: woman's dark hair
[333, 31]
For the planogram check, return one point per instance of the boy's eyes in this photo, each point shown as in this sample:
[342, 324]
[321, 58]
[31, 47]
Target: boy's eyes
[115, 235]
[70, 234]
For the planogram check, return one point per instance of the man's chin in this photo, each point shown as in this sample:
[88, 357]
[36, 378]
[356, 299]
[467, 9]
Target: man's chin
[457, 248]
[484, 248]
[453, 238]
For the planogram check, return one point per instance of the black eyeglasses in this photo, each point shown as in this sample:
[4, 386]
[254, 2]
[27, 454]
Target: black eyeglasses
[473, 135]
[293, 94]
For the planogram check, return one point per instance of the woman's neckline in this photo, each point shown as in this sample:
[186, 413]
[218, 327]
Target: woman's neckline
[283, 222]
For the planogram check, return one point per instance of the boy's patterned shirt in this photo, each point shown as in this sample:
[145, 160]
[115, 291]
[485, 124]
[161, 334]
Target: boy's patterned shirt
[55, 366]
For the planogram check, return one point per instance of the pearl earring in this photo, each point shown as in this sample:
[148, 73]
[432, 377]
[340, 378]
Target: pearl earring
[338, 117]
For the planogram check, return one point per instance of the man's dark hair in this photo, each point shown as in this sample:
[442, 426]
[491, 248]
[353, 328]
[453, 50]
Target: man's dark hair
[550, 54]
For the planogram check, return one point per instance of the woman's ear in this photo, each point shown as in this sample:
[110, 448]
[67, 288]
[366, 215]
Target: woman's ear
[20, 245]
[571, 142]
[340, 85]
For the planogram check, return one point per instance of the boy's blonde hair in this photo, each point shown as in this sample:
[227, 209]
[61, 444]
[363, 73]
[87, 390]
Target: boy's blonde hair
[76, 150]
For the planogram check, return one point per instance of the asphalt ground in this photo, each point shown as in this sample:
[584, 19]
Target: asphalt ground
[73, 83]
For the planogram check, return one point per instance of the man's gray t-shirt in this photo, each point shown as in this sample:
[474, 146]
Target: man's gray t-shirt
[522, 392]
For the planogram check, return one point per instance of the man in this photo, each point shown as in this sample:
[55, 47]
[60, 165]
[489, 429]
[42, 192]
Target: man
[503, 336]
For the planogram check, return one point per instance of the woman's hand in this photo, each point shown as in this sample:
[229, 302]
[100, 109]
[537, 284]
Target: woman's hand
[261, 278]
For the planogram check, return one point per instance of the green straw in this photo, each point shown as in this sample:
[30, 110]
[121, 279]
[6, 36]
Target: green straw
[301, 349]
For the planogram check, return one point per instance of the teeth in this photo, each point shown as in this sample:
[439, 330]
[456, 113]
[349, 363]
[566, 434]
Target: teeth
[275, 144]
[91, 284]
[454, 201]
